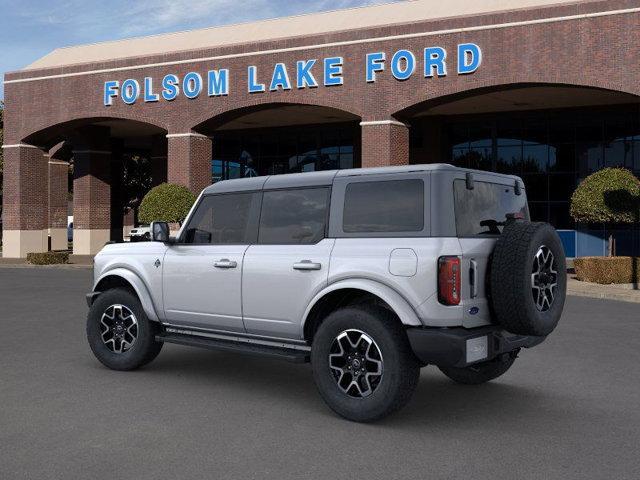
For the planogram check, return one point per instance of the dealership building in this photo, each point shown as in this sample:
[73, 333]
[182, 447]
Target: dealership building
[544, 89]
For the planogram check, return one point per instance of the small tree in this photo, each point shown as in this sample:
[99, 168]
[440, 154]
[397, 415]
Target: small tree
[167, 202]
[611, 195]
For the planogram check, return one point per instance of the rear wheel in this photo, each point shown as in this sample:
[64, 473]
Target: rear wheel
[119, 332]
[362, 363]
[480, 372]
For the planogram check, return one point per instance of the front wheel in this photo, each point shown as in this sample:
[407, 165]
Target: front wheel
[362, 363]
[480, 372]
[119, 332]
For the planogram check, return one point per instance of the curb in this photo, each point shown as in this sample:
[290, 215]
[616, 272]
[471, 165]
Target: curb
[62, 266]
[578, 288]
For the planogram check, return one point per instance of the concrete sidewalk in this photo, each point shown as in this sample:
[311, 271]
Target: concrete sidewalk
[621, 292]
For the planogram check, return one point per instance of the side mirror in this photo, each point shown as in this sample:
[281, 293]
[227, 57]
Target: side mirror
[160, 232]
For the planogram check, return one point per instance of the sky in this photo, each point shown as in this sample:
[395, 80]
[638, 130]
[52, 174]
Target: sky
[29, 29]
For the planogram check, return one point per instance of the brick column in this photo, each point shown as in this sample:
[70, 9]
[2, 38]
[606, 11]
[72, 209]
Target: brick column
[58, 191]
[158, 160]
[384, 143]
[91, 189]
[25, 212]
[189, 160]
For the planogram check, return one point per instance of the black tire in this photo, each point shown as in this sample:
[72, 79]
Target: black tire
[399, 367]
[514, 300]
[143, 349]
[480, 372]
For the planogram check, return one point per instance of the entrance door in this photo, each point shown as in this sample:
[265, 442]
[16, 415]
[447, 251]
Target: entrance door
[290, 263]
[202, 277]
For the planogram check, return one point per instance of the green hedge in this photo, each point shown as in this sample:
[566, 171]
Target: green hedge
[611, 195]
[607, 270]
[48, 258]
[167, 202]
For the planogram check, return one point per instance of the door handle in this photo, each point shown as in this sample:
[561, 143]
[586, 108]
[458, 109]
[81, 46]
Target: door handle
[307, 265]
[473, 278]
[225, 263]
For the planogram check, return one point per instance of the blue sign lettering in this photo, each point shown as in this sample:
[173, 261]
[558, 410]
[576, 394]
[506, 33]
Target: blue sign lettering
[149, 96]
[375, 63]
[280, 78]
[304, 76]
[469, 58]
[170, 87]
[402, 67]
[333, 71]
[218, 82]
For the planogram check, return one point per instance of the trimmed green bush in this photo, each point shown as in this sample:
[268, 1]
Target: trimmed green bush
[48, 258]
[606, 270]
[611, 195]
[166, 202]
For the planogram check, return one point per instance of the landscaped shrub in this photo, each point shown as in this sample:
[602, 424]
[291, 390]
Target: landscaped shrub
[606, 270]
[48, 258]
[167, 202]
[611, 195]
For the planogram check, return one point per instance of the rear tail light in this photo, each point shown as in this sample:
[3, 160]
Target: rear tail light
[449, 280]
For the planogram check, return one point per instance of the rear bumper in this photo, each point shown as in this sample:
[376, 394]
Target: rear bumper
[460, 347]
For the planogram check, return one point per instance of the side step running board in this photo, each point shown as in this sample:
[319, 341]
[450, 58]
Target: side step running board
[288, 354]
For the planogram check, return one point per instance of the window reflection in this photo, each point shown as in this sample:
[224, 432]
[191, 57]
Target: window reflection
[551, 150]
[250, 153]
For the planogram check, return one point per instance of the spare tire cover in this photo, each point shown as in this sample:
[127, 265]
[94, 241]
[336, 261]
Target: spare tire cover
[528, 278]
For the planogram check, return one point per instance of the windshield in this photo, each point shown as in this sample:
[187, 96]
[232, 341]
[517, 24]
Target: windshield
[484, 210]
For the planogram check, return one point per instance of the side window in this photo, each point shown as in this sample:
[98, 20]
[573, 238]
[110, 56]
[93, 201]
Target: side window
[384, 206]
[297, 216]
[224, 219]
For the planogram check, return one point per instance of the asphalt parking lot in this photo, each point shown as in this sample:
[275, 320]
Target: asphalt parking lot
[567, 409]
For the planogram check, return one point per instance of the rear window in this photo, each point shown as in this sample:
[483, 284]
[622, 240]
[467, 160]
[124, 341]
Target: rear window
[483, 210]
[386, 206]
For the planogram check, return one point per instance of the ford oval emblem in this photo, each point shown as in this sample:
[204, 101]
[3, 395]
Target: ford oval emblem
[474, 310]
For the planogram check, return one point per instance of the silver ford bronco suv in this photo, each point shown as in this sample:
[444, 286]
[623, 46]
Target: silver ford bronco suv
[369, 274]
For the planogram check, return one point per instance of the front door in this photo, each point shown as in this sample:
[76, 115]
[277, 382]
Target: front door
[202, 275]
[290, 263]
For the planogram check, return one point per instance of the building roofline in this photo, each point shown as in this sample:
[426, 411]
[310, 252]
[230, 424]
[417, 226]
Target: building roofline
[281, 28]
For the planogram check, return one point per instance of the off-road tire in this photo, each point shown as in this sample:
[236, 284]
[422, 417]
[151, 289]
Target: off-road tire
[480, 372]
[144, 349]
[512, 296]
[400, 368]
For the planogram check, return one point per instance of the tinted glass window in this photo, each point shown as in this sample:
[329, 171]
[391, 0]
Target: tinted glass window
[483, 210]
[389, 206]
[294, 216]
[223, 219]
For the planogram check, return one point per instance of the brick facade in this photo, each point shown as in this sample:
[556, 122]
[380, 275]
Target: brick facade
[385, 143]
[589, 44]
[189, 161]
[25, 188]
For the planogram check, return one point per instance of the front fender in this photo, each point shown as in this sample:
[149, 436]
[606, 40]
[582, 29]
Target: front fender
[397, 302]
[138, 285]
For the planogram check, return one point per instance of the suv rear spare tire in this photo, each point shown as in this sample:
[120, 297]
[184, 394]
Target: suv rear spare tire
[528, 278]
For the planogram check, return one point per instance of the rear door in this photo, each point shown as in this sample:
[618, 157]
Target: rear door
[290, 263]
[480, 214]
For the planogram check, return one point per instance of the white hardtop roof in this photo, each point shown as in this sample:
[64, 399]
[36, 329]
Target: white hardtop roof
[323, 178]
[286, 27]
